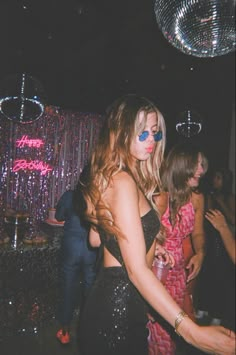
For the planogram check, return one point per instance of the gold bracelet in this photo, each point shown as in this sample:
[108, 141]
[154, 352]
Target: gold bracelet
[180, 317]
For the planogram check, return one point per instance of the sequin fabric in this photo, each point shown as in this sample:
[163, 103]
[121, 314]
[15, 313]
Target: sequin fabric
[150, 230]
[161, 336]
[29, 285]
[114, 318]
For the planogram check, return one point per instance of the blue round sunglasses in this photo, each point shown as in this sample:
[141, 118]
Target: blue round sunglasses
[144, 135]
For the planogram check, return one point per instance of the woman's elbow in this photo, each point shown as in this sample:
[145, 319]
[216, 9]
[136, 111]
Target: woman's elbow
[135, 272]
[95, 243]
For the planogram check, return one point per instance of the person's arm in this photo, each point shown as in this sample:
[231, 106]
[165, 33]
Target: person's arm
[198, 237]
[61, 207]
[123, 199]
[94, 238]
[217, 219]
[161, 202]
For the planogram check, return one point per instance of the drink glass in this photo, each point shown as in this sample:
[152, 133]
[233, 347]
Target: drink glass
[161, 270]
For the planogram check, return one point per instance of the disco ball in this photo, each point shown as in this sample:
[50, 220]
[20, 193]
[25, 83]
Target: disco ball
[202, 28]
[21, 98]
[189, 123]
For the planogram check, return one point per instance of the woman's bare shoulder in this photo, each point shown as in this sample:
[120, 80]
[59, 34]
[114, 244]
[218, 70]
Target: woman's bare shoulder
[161, 197]
[161, 201]
[122, 184]
[122, 180]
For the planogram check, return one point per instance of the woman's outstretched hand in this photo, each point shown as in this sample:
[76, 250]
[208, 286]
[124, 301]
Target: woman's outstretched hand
[223, 340]
[215, 340]
[216, 218]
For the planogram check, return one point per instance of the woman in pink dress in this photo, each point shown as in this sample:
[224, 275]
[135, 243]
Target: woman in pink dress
[181, 210]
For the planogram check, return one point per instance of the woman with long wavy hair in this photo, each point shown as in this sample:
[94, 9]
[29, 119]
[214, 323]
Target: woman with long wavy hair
[124, 175]
[181, 206]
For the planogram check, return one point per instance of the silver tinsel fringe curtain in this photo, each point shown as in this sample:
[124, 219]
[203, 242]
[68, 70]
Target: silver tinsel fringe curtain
[40, 160]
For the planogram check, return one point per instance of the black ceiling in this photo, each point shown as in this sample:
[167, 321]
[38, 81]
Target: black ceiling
[88, 52]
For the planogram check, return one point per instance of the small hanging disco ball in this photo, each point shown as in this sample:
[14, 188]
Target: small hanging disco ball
[21, 98]
[201, 28]
[189, 123]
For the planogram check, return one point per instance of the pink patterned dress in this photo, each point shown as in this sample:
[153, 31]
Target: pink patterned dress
[162, 337]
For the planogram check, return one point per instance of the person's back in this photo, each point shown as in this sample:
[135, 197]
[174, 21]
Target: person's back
[77, 259]
[65, 211]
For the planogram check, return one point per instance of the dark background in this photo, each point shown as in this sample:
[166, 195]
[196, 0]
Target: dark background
[87, 53]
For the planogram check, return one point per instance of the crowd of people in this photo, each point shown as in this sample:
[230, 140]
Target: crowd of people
[142, 207]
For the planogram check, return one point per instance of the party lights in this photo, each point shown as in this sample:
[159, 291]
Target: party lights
[202, 28]
[189, 123]
[21, 98]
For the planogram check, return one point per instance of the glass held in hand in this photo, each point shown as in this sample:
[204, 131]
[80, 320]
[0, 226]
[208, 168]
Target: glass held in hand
[161, 269]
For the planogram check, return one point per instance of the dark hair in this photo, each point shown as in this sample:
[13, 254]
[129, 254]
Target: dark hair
[178, 167]
[227, 180]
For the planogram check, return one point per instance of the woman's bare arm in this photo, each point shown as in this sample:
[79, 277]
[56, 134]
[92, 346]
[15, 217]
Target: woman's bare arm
[124, 200]
[94, 238]
[217, 219]
[198, 237]
[227, 207]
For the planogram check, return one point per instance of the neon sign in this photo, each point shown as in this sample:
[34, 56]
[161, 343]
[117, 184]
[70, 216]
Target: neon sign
[32, 143]
[23, 164]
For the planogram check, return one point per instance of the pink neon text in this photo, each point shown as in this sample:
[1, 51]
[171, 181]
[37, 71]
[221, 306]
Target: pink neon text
[31, 165]
[32, 143]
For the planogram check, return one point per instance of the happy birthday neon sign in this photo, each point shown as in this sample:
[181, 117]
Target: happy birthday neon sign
[22, 164]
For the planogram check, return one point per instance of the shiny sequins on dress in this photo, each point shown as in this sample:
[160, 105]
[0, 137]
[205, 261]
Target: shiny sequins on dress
[114, 318]
[161, 340]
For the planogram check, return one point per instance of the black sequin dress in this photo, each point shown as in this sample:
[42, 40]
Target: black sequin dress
[114, 318]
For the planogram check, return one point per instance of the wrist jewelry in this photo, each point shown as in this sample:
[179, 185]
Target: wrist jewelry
[180, 317]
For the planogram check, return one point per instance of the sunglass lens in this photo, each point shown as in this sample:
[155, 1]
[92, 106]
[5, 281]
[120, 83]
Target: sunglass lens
[158, 136]
[143, 136]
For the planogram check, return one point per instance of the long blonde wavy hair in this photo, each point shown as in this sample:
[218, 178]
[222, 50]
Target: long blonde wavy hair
[112, 155]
